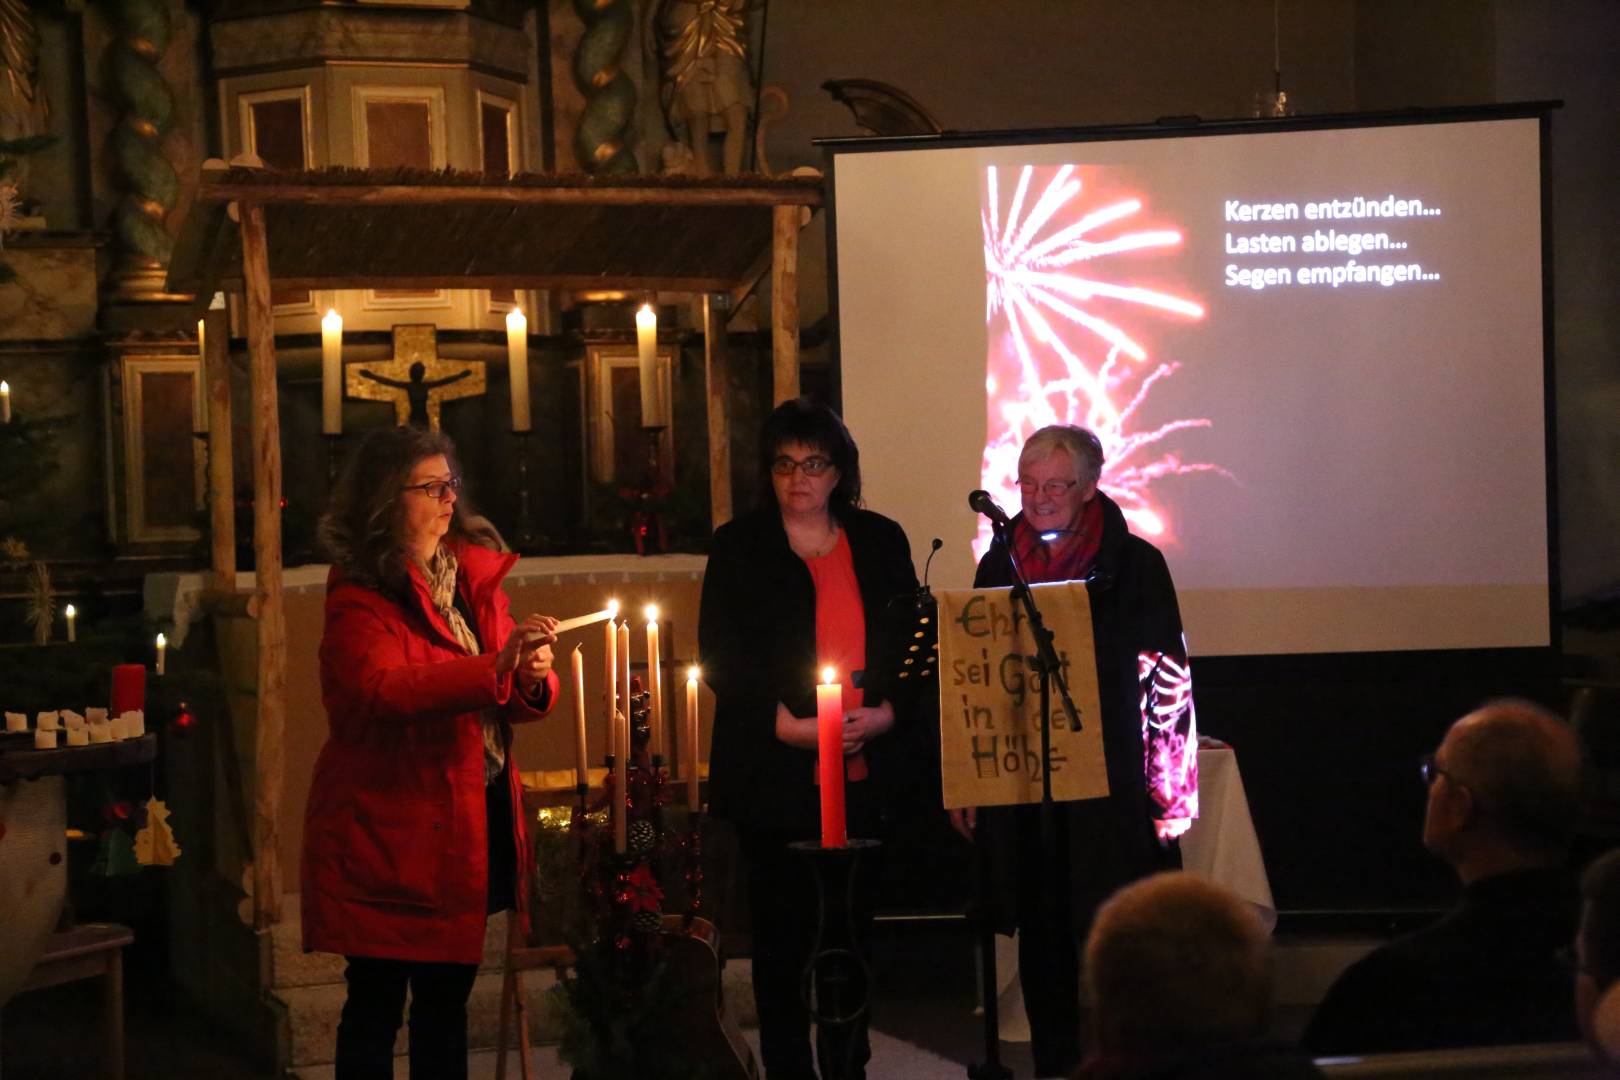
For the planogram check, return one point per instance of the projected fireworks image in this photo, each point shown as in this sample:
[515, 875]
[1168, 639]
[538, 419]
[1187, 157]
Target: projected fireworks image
[1067, 327]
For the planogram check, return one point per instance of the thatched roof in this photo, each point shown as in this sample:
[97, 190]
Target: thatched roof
[357, 228]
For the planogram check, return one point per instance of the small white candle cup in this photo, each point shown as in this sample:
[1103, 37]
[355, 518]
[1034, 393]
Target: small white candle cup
[100, 733]
[16, 721]
[93, 714]
[49, 721]
[136, 719]
[44, 740]
[78, 736]
[120, 728]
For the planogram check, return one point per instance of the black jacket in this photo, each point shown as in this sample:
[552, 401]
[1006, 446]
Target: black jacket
[757, 644]
[1111, 840]
[1484, 975]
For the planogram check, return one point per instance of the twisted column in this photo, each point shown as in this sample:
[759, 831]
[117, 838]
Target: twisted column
[147, 105]
[610, 96]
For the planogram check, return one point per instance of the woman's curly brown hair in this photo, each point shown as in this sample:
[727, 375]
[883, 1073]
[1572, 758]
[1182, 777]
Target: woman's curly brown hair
[360, 531]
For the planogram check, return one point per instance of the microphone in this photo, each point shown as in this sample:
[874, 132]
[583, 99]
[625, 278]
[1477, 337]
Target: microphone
[933, 549]
[980, 502]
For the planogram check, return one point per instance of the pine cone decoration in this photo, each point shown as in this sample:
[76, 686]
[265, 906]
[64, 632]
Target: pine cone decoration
[640, 837]
[647, 922]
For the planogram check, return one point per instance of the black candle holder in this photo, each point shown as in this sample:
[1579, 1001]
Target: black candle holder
[525, 537]
[836, 986]
[333, 439]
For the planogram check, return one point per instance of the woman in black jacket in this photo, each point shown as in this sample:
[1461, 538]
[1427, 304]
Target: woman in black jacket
[799, 583]
[1069, 530]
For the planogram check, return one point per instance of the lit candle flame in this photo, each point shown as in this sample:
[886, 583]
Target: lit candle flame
[651, 611]
[613, 609]
[693, 674]
[828, 675]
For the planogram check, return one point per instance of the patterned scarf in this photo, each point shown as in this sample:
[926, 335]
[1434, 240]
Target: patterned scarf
[441, 577]
[1059, 561]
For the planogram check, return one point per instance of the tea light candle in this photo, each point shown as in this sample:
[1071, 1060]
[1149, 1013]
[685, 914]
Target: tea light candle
[78, 736]
[44, 740]
[48, 721]
[100, 733]
[16, 721]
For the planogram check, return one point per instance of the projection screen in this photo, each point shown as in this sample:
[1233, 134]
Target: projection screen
[1315, 359]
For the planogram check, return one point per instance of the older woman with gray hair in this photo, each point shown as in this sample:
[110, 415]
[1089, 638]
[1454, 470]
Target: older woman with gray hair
[1069, 530]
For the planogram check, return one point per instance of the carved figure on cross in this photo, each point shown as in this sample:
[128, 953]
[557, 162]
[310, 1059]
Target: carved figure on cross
[416, 378]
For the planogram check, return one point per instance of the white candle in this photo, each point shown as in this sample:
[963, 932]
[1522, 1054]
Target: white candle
[624, 681]
[120, 727]
[610, 686]
[5, 402]
[517, 365]
[199, 411]
[44, 740]
[655, 683]
[654, 409]
[692, 738]
[331, 377]
[585, 620]
[579, 717]
[49, 721]
[162, 647]
[16, 721]
[100, 733]
[78, 736]
[72, 614]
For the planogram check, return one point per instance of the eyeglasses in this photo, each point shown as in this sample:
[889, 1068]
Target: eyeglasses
[1431, 770]
[812, 466]
[436, 489]
[1052, 489]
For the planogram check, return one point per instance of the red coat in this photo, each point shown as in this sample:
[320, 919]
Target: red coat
[395, 844]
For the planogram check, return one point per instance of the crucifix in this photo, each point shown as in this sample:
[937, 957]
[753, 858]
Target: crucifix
[416, 379]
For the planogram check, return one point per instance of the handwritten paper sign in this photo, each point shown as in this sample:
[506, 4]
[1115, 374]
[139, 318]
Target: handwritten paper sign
[990, 699]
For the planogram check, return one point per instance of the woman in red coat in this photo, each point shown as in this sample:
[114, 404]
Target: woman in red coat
[412, 836]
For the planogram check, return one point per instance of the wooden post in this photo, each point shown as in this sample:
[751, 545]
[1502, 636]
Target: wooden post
[270, 744]
[718, 388]
[785, 301]
[221, 469]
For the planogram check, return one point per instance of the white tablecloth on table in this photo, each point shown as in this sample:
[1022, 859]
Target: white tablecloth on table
[1220, 846]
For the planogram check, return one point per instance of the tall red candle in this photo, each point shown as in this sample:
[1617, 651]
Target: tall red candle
[830, 758]
[128, 689]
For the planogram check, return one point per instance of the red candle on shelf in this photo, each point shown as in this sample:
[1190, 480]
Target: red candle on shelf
[128, 689]
[830, 764]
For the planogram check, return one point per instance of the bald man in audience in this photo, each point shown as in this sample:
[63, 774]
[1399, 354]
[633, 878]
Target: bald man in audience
[1179, 974]
[1504, 800]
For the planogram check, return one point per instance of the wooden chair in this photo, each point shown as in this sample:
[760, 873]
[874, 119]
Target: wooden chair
[93, 950]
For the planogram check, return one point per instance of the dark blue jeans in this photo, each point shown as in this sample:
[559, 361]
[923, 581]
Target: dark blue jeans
[372, 1012]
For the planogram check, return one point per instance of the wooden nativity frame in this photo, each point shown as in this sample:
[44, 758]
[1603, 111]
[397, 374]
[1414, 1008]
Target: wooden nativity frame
[354, 229]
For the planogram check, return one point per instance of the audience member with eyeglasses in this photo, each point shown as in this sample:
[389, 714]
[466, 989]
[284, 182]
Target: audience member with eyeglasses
[1504, 791]
[797, 584]
[412, 833]
[1069, 530]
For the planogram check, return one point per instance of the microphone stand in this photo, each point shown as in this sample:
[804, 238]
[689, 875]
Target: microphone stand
[1049, 670]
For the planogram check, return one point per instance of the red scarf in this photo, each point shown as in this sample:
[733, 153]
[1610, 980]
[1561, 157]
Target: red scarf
[1069, 557]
